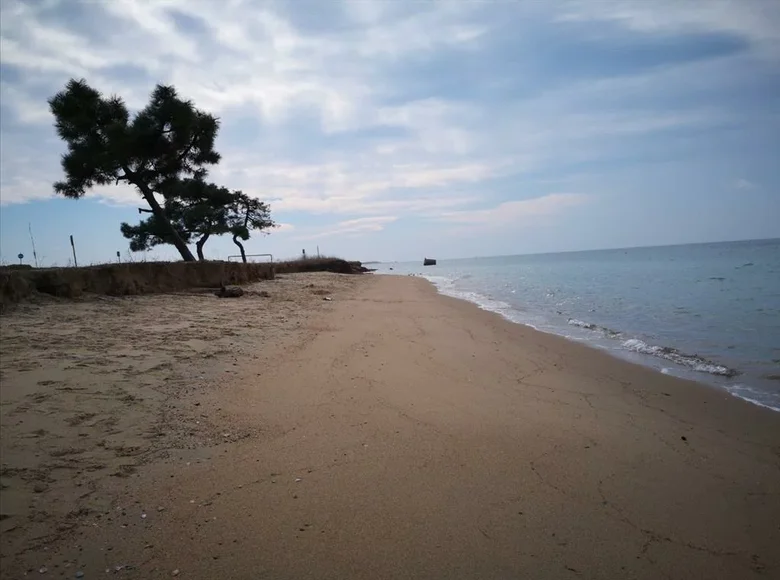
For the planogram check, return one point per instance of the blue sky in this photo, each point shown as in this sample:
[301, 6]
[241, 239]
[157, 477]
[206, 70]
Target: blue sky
[393, 130]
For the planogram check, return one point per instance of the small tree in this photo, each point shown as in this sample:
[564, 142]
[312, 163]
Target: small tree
[149, 233]
[197, 211]
[248, 213]
[167, 140]
[201, 210]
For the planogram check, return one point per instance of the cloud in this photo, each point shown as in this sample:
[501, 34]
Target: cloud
[364, 113]
[514, 212]
[370, 224]
[744, 184]
[249, 56]
[21, 188]
[239, 53]
[351, 228]
[360, 185]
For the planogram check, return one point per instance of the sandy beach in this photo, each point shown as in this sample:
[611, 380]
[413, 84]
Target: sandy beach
[336, 426]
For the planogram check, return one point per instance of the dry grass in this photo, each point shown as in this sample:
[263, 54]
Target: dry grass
[320, 264]
[126, 279]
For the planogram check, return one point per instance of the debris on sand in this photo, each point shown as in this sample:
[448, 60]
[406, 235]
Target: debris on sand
[230, 292]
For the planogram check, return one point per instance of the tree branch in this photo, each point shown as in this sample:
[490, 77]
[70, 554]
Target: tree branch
[122, 178]
[189, 147]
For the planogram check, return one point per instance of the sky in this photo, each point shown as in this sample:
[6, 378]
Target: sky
[393, 130]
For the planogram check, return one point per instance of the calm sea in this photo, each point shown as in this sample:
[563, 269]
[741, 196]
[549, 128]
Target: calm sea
[709, 312]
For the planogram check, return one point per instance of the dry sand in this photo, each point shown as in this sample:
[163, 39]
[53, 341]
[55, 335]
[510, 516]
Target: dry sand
[387, 433]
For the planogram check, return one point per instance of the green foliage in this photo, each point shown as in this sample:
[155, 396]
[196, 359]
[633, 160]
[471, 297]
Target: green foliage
[166, 143]
[247, 214]
[151, 232]
[198, 210]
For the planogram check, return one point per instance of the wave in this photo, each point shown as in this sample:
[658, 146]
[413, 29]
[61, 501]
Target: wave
[691, 361]
[754, 396]
[446, 286]
[595, 327]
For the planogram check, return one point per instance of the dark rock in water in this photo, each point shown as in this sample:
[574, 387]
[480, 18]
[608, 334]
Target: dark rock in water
[429, 262]
[230, 292]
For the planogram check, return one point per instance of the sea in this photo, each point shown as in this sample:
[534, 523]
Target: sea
[707, 312]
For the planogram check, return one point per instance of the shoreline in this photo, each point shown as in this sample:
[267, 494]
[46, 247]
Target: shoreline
[703, 389]
[636, 356]
[390, 431]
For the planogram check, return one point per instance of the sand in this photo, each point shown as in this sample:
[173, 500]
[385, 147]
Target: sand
[389, 432]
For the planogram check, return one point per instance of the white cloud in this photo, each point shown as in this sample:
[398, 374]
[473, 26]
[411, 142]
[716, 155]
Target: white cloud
[19, 189]
[744, 184]
[351, 228]
[259, 61]
[436, 153]
[513, 212]
[372, 224]
[356, 188]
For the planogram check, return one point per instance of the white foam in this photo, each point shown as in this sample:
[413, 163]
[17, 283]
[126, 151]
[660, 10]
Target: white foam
[446, 286]
[751, 395]
[691, 361]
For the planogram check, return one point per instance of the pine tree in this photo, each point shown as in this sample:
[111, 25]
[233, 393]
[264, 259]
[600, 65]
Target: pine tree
[166, 142]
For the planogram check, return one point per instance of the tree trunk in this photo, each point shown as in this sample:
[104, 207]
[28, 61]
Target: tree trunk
[158, 212]
[240, 247]
[199, 245]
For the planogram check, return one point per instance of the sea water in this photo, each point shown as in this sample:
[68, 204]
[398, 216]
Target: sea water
[708, 312]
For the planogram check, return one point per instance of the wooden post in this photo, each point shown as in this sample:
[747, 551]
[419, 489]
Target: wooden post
[32, 239]
[73, 246]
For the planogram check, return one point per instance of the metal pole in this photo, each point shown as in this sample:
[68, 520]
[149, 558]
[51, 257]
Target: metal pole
[72, 245]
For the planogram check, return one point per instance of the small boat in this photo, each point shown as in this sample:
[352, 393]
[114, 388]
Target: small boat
[429, 262]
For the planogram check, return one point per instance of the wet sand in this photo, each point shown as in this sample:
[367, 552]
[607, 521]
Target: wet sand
[389, 432]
